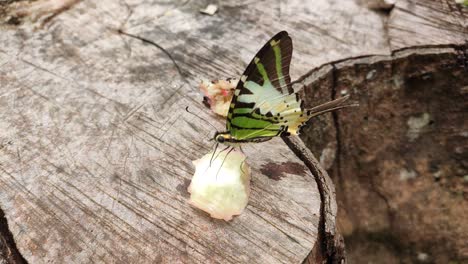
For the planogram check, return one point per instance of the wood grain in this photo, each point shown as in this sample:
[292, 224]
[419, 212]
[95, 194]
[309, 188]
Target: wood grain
[428, 22]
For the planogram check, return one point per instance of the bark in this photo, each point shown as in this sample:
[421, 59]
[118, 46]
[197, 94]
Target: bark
[399, 158]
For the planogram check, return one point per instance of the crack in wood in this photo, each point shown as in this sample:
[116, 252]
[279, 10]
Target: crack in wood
[328, 250]
[169, 55]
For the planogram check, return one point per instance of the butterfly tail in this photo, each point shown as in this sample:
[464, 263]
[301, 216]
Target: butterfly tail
[297, 120]
[329, 106]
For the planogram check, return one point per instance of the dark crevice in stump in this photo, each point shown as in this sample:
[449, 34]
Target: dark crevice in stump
[8, 250]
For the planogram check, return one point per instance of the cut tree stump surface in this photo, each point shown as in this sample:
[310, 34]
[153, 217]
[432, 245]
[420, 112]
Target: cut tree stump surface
[96, 145]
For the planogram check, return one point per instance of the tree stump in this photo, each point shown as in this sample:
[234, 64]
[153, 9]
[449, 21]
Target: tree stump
[96, 146]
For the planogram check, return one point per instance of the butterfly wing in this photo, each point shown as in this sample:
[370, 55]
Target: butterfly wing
[264, 104]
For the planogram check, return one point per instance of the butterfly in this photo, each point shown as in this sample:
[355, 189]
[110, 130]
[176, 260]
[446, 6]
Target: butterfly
[264, 104]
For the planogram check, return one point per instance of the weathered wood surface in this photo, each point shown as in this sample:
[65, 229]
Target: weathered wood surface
[95, 145]
[97, 148]
[427, 22]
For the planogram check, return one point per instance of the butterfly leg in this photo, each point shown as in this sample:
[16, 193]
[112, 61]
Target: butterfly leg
[225, 157]
[240, 147]
[218, 153]
[215, 155]
[242, 165]
[214, 152]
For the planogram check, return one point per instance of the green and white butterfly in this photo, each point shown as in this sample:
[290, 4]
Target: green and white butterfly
[264, 104]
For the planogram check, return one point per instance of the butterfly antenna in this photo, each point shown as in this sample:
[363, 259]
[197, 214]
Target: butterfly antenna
[201, 118]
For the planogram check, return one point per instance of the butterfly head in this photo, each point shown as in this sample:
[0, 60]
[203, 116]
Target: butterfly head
[222, 137]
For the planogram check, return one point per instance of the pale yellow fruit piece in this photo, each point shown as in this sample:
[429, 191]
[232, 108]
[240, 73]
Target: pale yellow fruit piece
[222, 191]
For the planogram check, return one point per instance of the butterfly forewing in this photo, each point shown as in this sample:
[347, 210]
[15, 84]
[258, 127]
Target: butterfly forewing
[264, 104]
